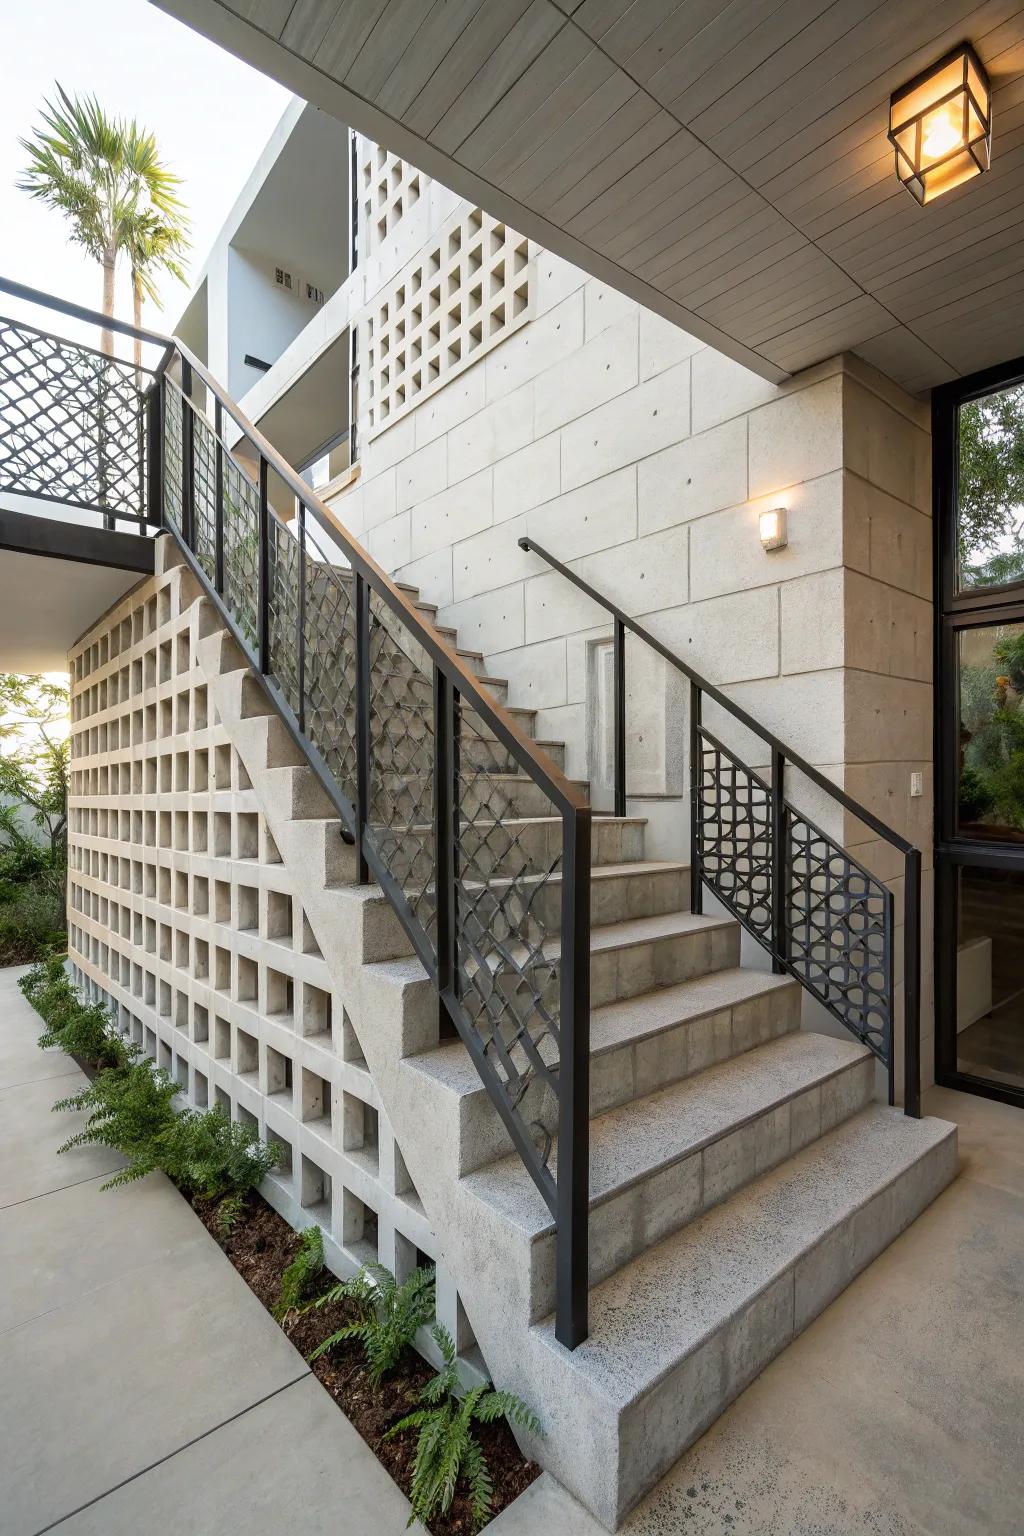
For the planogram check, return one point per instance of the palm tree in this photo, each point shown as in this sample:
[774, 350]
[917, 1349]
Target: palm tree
[155, 244]
[103, 174]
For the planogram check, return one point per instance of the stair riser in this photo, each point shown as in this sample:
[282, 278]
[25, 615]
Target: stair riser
[638, 968]
[616, 897]
[627, 1072]
[516, 796]
[536, 846]
[661, 1424]
[633, 1221]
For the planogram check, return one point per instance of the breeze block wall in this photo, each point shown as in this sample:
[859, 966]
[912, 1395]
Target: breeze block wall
[183, 917]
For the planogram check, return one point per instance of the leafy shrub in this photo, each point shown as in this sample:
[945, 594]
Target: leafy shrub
[304, 1268]
[129, 1111]
[209, 1155]
[32, 920]
[447, 1449]
[82, 1029]
[976, 797]
[389, 1314]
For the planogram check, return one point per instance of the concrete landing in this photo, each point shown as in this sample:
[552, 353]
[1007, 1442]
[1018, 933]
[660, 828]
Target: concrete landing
[898, 1411]
[145, 1389]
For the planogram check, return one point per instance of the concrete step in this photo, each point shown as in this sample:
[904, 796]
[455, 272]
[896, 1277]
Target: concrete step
[643, 888]
[676, 1334]
[534, 843]
[641, 953]
[636, 1047]
[662, 1160]
[506, 794]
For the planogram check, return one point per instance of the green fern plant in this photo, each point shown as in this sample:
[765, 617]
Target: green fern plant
[446, 1448]
[207, 1154]
[85, 1030]
[303, 1269]
[130, 1112]
[389, 1315]
[229, 1214]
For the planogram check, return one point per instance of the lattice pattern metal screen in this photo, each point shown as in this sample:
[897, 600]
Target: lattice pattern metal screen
[734, 834]
[838, 926]
[508, 917]
[330, 665]
[72, 423]
[401, 810]
[241, 548]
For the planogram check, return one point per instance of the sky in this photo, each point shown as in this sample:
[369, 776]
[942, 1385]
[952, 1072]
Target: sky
[211, 115]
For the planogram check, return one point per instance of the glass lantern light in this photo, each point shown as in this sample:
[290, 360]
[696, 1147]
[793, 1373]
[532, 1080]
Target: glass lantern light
[940, 125]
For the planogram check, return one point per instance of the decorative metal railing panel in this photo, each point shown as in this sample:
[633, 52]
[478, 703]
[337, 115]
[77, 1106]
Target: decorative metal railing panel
[734, 834]
[508, 965]
[823, 917]
[72, 423]
[839, 925]
[411, 748]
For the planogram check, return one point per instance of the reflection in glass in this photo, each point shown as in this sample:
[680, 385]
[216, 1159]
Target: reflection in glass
[991, 779]
[990, 496]
[990, 977]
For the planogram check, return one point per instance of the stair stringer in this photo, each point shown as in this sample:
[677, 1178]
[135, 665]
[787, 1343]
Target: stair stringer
[590, 1439]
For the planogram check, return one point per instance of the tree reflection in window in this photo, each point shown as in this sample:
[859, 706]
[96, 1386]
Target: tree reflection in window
[991, 791]
[990, 511]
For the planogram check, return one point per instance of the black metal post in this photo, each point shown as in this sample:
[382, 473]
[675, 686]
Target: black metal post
[155, 454]
[218, 510]
[696, 883]
[444, 836]
[778, 870]
[911, 984]
[300, 620]
[619, 684]
[263, 573]
[188, 484]
[362, 615]
[572, 1204]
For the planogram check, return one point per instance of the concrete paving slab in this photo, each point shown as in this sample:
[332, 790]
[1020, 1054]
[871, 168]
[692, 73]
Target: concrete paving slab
[293, 1463]
[30, 1135]
[898, 1412]
[56, 1249]
[102, 1388]
[21, 1060]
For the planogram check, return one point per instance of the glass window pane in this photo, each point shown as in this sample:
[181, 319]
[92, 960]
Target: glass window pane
[991, 781]
[990, 981]
[990, 509]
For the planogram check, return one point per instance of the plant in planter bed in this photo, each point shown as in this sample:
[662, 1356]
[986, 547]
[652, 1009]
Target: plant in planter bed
[296, 1279]
[389, 1314]
[130, 1112]
[84, 1030]
[447, 1448]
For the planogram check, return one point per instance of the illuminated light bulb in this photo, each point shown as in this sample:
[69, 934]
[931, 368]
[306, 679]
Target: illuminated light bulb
[943, 132]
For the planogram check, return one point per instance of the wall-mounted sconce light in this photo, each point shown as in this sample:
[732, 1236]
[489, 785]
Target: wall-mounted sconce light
[940, 125]
[772, 527]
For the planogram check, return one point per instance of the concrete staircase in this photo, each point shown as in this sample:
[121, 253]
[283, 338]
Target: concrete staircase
[741, 1174]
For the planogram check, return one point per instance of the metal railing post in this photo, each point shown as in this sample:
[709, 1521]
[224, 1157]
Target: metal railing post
[911, 984]
[619, 684]
[778, 868]
[218, 508]
[362, 616]
[444, 834]
[188, 484]
[300, 620]
[696, 882]
[155, 453]
[572, 1203]
[263, 573]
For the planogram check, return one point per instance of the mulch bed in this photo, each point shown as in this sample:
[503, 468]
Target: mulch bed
[260, 1246]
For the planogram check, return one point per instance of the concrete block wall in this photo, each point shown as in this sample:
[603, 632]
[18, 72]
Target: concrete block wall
[642, 458]
[183, 917]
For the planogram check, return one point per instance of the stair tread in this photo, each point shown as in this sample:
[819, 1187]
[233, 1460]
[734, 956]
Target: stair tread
[661, 1305]
[642, 930]
[642, 1136]
[629, 1019]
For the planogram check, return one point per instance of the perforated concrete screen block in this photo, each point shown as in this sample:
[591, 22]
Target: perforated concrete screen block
[184, 919]
[467, 289]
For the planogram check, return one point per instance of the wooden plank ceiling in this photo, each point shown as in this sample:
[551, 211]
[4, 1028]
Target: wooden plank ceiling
[723, 161]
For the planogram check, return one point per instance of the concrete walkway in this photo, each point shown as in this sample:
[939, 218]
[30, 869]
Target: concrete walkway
[898, 1412]
[143, 1388]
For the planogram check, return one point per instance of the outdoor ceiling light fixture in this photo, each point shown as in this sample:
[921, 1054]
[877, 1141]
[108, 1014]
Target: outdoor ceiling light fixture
[771, 525]
[940, 125]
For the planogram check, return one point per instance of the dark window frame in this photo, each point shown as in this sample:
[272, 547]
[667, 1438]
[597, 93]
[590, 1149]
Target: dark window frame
[954, 611]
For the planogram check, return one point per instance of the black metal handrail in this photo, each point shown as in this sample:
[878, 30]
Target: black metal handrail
[412, 750]
[823, 917]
